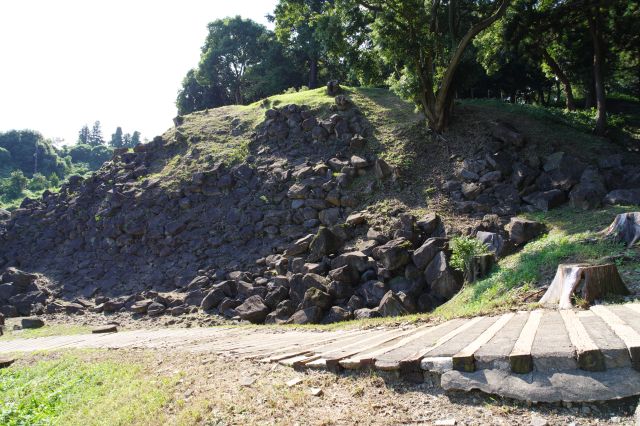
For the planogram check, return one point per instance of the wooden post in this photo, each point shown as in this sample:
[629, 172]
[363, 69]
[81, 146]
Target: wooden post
[590, 282]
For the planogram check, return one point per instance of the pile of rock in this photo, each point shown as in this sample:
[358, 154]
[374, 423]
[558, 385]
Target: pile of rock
[508, 177]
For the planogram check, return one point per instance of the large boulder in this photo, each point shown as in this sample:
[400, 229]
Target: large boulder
[372, 292]
[521, 231]
[493, 241]
[442, 280]
[562, 171]
[212, 299]
[425, 253]
[311, 315]
[546, 200]
[316, 297]
[623, 197]
[299, 284]
[337, 314]
[31, 322]
[508, 134]
[324, 243]
[589, 192]
[253, 309]
[394, 254]
[391, 305]
[19, 278]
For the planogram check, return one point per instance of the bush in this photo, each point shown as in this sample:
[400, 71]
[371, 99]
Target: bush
[464, 249]
[38, 182]
[17, 183]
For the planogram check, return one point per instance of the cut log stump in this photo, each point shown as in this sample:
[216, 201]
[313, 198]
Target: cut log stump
[590, 282]
[625, 227]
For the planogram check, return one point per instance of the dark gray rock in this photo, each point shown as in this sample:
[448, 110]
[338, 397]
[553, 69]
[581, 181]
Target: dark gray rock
[546, 200]
[521, 231]
[391, 306]
[324, 243]
[623, 197]
[372, 292]
[253, 309]
[493, 240]
[442, 280]
[316, 297]
[365, 313]
[425, 253]
[508, 134]
[337, 314]
[311, 315]
[212, 299]
[589, 192]
[32, 322]
[393, 254]
[155, 309]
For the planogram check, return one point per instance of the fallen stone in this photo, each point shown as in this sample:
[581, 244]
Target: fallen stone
[546, 200]
[31, 323]
[391, 306]
[312, 315]
[111, 328]
[315, 392]
[393, 254]
[155, 309]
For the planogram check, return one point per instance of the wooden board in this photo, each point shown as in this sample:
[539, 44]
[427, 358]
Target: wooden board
[464, 360]
[627, 334]
[392, 359]
[520, 357]
[589, 356]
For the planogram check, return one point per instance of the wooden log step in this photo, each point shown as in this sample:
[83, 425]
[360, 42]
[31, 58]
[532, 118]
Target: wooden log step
[628, 335]
[330, 359]
[441, 341]
[317, 353]
[464, 359]
[393, 358]
[552, 348]
[588, 354]
[494, 355]
[520, 358]
[613, 349]
[367, 356]
[296, 350]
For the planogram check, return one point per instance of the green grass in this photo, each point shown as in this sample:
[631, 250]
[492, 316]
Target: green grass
[73, 391]
[46, 331]
[573, 237]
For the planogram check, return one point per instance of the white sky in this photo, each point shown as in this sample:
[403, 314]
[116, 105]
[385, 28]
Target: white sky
[64, 63]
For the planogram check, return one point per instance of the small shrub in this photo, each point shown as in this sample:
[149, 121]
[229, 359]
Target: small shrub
[38, 182]
[17, 183]
[463, 249]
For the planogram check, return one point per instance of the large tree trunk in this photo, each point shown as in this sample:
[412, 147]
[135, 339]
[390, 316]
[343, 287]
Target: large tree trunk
[566, 84]
[438, 106]
[313, 73]
[588, 282]
[595, 29]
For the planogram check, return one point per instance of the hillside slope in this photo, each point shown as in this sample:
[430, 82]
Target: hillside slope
[250, 210]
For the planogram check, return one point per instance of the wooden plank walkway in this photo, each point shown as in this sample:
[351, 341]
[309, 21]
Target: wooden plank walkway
[604, 337]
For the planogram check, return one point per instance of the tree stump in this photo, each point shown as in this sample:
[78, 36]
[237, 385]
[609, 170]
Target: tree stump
[480, 266]
[625, 227]
[590, 282]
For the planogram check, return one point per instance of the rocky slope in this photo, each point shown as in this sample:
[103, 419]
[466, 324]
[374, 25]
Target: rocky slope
[270, 215]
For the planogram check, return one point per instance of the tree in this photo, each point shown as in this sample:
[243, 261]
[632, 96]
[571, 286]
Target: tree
[232, 46]
[302, 26]
[194, 96]
[95, 137]
[17, 183]
[116, 138]
[135, 139]
[425, 43]
[126, 140]
[84, 134]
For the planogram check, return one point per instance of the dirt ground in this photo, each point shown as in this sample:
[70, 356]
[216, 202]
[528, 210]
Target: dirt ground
[213, 390]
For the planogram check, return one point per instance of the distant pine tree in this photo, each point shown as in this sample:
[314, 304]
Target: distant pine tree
[95, 138]
[83, 135]
[116, 138]
[135, 139]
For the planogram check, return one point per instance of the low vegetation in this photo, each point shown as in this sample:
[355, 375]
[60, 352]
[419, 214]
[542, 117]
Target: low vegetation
[76, 390]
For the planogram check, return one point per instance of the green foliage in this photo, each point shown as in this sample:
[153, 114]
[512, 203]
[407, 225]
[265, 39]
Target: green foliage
[72, 391]
[117, 139]
[93, 156]
[17, 183]
[574, 238]
[463, 249]
[38, 182]
[28, 151]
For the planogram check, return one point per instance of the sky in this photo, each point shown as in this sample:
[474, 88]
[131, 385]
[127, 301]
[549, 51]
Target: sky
[66, 63]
